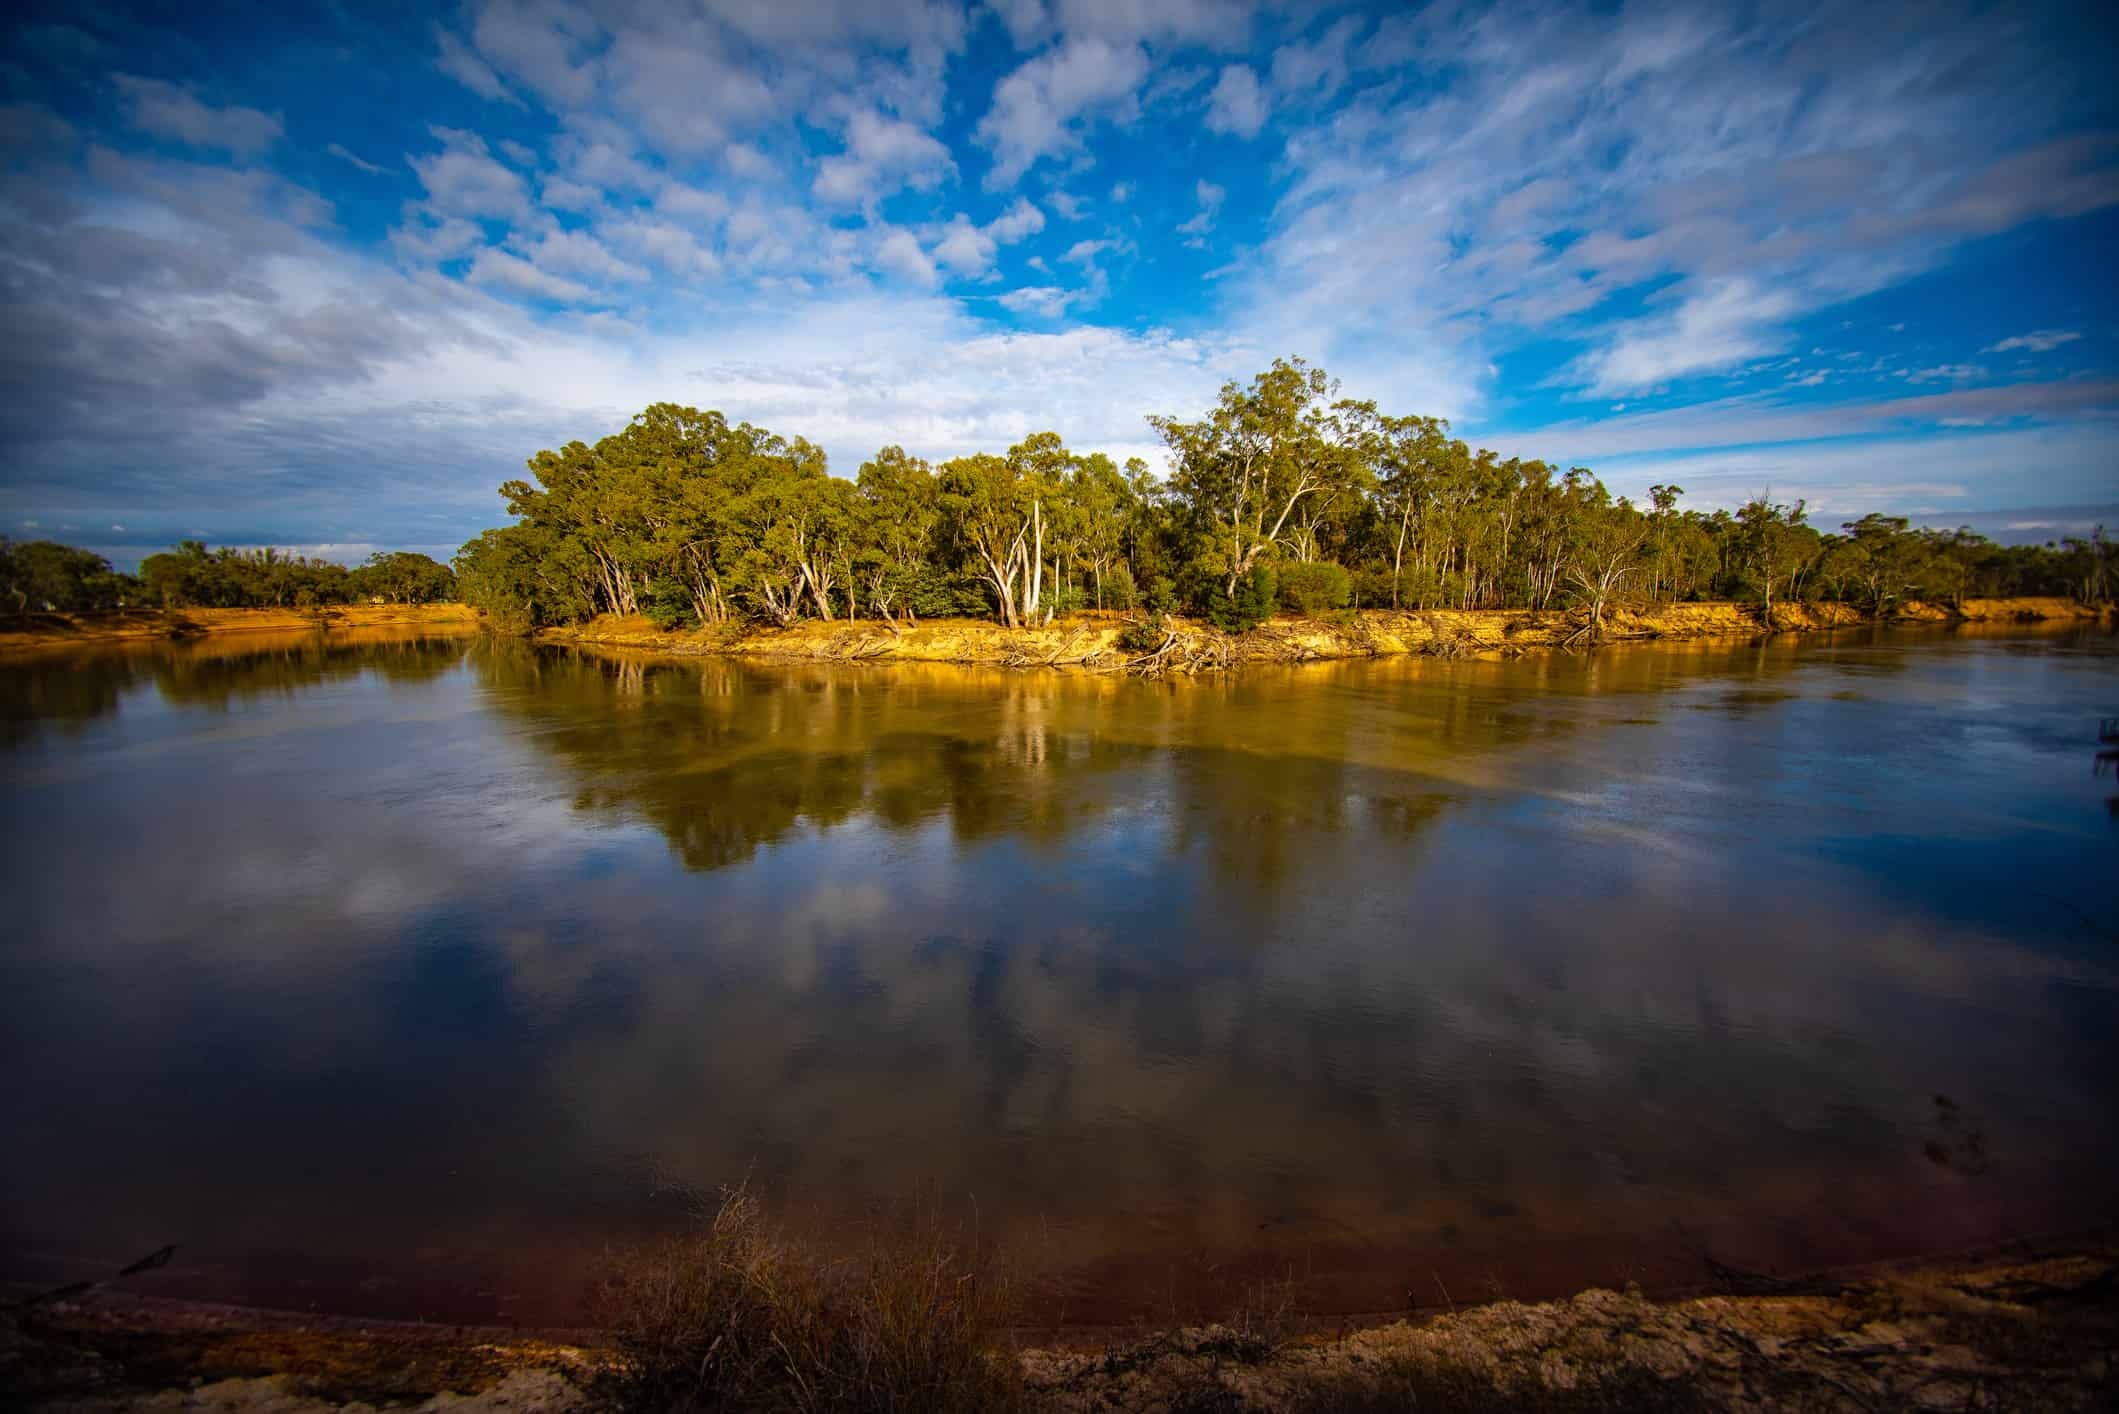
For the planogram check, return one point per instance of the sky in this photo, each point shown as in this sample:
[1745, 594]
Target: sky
[323, 276]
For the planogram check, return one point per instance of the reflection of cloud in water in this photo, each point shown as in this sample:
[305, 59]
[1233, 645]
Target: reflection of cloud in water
[467, 960]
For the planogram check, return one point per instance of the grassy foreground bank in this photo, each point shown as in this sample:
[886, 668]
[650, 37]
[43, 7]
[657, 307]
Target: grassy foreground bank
[750, 1325]
[1116, 643]
[32, 632]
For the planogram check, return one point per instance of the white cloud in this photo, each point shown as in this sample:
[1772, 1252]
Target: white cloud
[677, 199]
[1741, 421]
[1026, 20]
[560, 194]
[964, 248]
[900, 254]
[464, 180]
[1716, 328]
[1843, 480]
[681, 87]
[1238, 105]
[675, 249]
[459, 62]
[1210, 200]
[497, 267]
[2042, 341]
[1045, 301]
[1945, 373]
[579, 254]
[1035, 109]
[542, 44]
[1316, 69]
[1021, 220]
[339, 151]
[432, 242]
[168, 111]
[883, 156]
[1216, 23]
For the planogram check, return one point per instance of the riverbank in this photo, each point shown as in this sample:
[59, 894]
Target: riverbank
[1091, 642]
[37, 632]
[2032, 1332]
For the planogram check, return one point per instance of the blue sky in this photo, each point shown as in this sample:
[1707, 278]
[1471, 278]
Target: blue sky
[323, 280]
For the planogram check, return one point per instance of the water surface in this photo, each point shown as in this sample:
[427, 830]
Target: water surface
[409, 976]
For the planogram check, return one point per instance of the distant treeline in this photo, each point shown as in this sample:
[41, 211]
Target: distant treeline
[1283, 496]
[42, 575]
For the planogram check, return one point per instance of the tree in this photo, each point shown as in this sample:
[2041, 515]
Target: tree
[1274, 495]
[1606, 553]
[1776, 543]
[1881, 558]
[990, 513]
[45, 575]
[1254, 459]
[402, 577]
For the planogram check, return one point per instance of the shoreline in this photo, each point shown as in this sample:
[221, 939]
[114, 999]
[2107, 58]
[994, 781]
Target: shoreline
[1084, 642]
[45, 632]
[2034, 1326]
[1088, 642]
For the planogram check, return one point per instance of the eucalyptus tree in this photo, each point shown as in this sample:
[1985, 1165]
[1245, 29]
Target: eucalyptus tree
[1775, 544]
[1257, 455]
[989, 519]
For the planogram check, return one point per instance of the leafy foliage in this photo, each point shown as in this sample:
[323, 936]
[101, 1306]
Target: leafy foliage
[44, 576]
[1315, 587]
[1284, 495]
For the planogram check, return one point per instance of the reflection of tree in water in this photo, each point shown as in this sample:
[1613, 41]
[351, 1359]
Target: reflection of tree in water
[287, 667]
[71, 689]
[60, 693]
[724, 757]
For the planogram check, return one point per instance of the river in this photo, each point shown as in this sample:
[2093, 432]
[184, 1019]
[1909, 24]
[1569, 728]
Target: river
[412, 977]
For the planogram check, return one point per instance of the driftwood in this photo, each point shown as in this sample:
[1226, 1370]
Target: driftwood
[157, 1258]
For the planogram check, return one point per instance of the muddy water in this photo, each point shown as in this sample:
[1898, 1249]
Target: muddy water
[408, 977]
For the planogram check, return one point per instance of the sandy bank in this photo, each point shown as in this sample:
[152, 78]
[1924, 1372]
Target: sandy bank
[2032, 1333]
[43, 631]
[1090, 641]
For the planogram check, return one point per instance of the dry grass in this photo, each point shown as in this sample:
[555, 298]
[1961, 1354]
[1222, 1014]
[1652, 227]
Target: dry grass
[739, 1316]
[1462, 1387]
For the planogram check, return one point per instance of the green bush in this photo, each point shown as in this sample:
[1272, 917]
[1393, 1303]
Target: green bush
[932, 592]
[1145, 636]
[1162, 594]
[1251, 605]
[1370, 587]
[1314, 588]
[668, 606]
[1120, 592]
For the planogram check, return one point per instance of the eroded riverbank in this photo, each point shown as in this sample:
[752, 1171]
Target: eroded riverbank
[44, 633]
[2031, 1331]
[1092, 642]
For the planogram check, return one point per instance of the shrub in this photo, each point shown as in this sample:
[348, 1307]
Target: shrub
[1063, 598]
[739, 1317]
[932, 592]
[1251, 604]
[1120, 592]
[1370, 587]
[667, 605]
[1162, 594]
[1145, 636]
[1314, 588]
